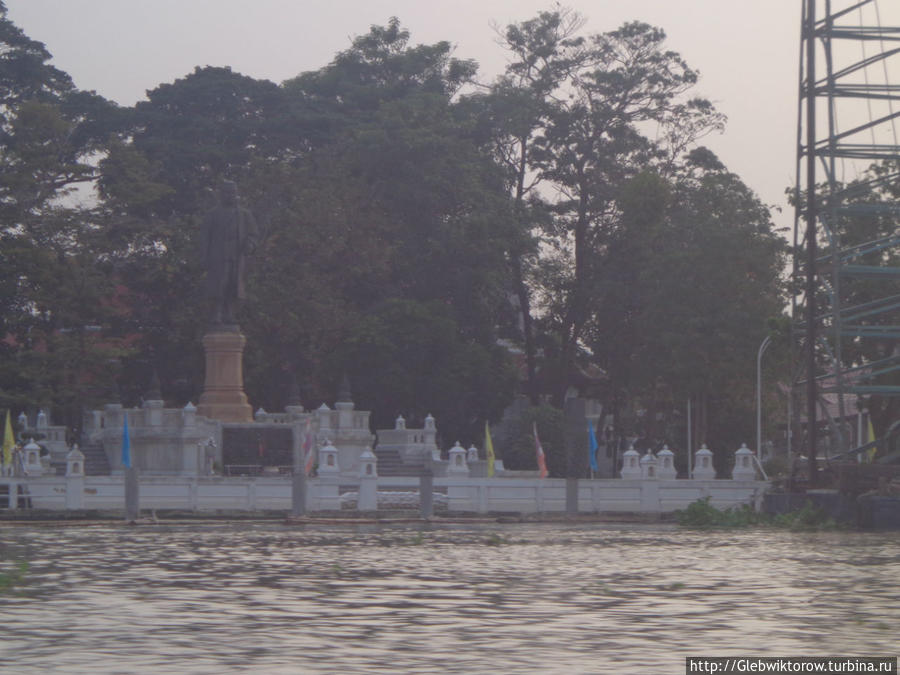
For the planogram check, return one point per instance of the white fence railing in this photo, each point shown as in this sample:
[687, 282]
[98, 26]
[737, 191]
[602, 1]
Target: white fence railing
[477, 495]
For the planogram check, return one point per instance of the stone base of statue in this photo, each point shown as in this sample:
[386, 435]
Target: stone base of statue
[223, 395]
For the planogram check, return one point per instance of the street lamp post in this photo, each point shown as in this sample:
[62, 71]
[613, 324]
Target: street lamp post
[762, 348]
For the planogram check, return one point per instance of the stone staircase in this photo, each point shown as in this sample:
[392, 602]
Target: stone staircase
[391, 464]
[95, 461]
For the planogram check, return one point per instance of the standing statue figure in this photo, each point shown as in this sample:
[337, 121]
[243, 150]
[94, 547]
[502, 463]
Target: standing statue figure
[230, 237]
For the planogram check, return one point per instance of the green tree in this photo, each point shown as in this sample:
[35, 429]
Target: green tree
[583, 134]
[690, 282]
[369, 182]
[54, 292]
[410, 357]
[546, 51]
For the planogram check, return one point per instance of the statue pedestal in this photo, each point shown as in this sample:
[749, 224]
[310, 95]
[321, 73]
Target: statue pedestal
[223, 395]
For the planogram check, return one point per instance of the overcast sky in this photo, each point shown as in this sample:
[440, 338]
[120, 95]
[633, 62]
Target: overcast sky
[746, 52]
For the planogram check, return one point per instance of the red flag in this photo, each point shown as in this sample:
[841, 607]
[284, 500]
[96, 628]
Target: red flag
[308, 447]
[541, 460]
[262, 447]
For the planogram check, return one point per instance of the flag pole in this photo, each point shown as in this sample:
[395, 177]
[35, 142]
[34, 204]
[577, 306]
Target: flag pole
[132, 494]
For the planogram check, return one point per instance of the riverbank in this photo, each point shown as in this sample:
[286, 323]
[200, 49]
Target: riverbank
[343, 517]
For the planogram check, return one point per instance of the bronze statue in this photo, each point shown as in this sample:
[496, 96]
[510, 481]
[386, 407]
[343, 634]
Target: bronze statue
[230, 237]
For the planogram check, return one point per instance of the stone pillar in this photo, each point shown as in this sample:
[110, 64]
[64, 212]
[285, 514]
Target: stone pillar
[743, 464]
[153, 412]
[193, 453]
[345, 414]
[648, 466]
[298, 475]
[32, 463]
[329, 478]
[368, 482]
[426, 488]
[75, 478]
[323, 416]
[665, 464]
[132, 494]
[703, 464]
[631, 464]
[189, 415]
[458, 468]
[429, 438]
[223, 395]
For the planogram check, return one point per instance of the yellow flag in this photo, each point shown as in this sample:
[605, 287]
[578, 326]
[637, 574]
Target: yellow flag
[489, 449]
[870, 453]
[8, 441]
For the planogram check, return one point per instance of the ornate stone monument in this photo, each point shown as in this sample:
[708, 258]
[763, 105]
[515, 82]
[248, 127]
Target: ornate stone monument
[230, 236]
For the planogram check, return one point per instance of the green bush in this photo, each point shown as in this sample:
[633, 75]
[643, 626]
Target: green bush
[805, 519]
[702, 515]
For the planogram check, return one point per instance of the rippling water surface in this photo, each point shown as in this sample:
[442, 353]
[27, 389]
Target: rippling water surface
[271, 598]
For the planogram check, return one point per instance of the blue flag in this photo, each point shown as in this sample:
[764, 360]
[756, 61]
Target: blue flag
[593, 447]
[126, 445]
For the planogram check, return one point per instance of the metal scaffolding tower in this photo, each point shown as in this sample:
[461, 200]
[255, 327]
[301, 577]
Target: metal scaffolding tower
[846, 303]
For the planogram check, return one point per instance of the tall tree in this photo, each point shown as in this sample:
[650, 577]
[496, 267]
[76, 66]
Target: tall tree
[53, 289]
[594, 99]
[691, 279]
[546, 51]
[370, 185]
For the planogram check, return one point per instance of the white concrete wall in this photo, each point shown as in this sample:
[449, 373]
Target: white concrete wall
[479, 495]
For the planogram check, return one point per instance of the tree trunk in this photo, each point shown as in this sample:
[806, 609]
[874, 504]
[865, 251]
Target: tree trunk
[521, 289]
[576, 317]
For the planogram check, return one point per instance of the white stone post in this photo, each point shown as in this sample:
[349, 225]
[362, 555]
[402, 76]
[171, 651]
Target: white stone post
[75, 478]
[429, 438]
[323, 415]
[630, 464]
[329, 477]
[648, 466]
[458, 467]
[703, 464]
[153, 413]
[472, 454]
[368, 481]
[192, 463]
[41, 422]
[189, 415]
[743, 464]
[328, 460]
[400, 423]
[345, 414]
[32, 464]
[666, 464]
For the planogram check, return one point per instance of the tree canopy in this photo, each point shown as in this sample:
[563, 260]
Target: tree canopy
[411, 225]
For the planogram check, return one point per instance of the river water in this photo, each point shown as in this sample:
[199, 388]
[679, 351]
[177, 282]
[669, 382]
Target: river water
[266, 597]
